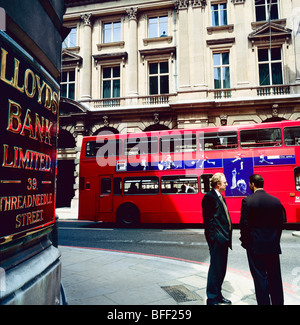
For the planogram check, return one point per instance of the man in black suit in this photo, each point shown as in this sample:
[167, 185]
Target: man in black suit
[218, 233]
[262, 217]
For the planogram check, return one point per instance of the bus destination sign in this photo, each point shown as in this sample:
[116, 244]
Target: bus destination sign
[28, 131]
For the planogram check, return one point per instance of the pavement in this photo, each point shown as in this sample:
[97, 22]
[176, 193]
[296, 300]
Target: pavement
[108, 277]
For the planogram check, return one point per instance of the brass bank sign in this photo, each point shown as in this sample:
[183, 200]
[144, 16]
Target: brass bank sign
[29, 100]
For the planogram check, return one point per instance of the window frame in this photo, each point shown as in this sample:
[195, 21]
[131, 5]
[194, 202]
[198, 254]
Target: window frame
[219, 11]
[67, 83]
[142, 181]
[111, 79]
[222, 66]
[266, 11]
[158, 17]
[270, 64]
[158, 75]
[258, 143]
[179, 179]
[68, 41]
[113, 34]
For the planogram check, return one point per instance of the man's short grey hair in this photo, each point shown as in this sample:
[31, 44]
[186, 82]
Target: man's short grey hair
[216, 179]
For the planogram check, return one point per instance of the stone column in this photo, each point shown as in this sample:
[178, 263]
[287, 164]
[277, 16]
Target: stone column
[86, 71]
[132, 80]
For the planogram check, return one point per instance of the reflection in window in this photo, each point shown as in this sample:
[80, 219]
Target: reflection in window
[218, 140]
[178, 143]
[184, 184]
[140, 185]
[260, 138]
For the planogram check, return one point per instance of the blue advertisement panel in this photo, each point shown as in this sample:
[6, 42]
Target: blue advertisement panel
[237, 172]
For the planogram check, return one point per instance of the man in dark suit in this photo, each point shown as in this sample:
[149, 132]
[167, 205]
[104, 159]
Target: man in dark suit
[218, 233]
[262, 217]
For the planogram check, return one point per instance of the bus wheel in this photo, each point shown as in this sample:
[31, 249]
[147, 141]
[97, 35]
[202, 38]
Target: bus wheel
[128, 215]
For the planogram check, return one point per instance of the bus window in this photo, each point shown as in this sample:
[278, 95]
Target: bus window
[104, 148]
[185, 184]
[218, 140]
[205, 182]
[117, 186]
[140, 185]
[297, 178]
[105, 186]
[260, 138]
[178, 143]
[138, 146]
[292, 136]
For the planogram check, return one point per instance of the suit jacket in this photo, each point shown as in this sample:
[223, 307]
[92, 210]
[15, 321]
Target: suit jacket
[215, 220]
[262, 217]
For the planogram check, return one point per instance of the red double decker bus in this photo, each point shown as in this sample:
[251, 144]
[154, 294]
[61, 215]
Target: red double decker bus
[162, 176]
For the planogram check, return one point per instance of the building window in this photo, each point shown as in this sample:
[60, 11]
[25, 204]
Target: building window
[159, 78]
[158, 26]
[266, 10]
[68, 84]
[219, 14]
[270, 66]
[112, 32]
[221, 70]
[71, 39]
[111, 82]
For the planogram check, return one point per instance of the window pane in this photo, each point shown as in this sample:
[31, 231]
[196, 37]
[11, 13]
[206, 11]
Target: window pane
[153, 68]
[184, 184]
[264, 74]
[178, 143]
[217, 59]
[72, 75]
[72, 91]
[226, 77]
[164, 67]
[260, 138]
[274, 11]
[63, 90]
[116, 88]
[164, 84]
[107, 33]
[218, 140]
[260, 13]
[153, 85]
[263, 55]
[215, 15]
[225, 58]
[163, 26]
[140, 185]
[64, 76]
[73, 36]
[276, 53]
[223, 14]
[106, 72]
[106, 88]
[117, 32]
[276, 73]
[153, 27]
[116, 72]
[217, 78]
[105, 186]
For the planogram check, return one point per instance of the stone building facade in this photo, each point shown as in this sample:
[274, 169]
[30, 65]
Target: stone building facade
[131, 66]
